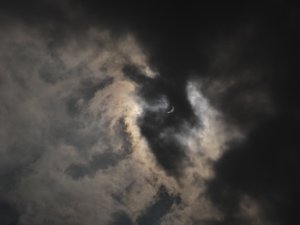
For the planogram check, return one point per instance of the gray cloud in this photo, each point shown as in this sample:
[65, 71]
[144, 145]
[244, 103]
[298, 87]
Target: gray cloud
[162, 203]
[62, 115]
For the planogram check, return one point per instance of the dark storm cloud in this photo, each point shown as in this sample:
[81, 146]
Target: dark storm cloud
[8, 214]
[120, 218]
[152, 89]
[265, 168]
[260, 98]
[168, 151]
[162, 204]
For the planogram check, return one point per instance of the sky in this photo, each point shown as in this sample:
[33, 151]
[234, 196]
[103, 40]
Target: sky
[122, 113]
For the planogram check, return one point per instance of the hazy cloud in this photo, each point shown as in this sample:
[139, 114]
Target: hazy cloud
[87, 135]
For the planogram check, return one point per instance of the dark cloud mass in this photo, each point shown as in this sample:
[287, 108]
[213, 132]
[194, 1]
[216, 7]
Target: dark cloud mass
[87, 134]
[162, 204]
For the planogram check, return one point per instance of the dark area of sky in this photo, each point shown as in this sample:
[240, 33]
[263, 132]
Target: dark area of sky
[182, 40]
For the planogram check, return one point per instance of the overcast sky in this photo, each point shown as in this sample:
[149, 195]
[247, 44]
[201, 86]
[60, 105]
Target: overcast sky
[149, 113]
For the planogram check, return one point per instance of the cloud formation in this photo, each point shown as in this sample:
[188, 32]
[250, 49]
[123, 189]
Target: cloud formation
[68, 113]
[86, 137]
[72, 135]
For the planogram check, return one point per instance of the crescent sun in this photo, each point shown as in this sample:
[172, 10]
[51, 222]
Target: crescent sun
[171, 110]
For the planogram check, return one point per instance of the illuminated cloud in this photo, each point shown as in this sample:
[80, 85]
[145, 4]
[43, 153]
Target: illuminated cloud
[71, 137]
[86, 136]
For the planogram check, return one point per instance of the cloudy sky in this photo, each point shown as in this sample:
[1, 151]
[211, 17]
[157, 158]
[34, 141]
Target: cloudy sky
[148, 113]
